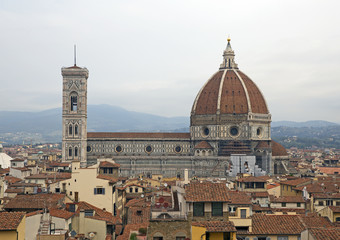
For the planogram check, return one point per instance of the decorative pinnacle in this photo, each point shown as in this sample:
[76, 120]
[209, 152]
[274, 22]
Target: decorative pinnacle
[228, 58]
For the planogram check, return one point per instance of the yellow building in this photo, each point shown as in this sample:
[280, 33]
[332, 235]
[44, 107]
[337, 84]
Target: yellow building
[291, 187]
[331, 212]
[213, 230]
[12, 225]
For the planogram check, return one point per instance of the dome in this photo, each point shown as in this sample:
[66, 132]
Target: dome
[229, 91]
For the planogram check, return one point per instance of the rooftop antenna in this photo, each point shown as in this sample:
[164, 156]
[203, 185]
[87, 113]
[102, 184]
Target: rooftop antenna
[75, 55]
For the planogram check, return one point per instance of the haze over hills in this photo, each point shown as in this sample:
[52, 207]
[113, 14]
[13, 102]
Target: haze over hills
[45, 126]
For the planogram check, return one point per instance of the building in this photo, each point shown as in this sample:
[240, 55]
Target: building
[12, 225]
[229, 116]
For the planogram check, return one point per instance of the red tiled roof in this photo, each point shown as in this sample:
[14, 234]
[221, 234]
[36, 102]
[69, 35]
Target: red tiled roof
[276, 224]
[60, 213]
[11, 179]
[50, 176]
[17, 160]
[129, 228]
[287, 199]
[296, 182]
[207, 192]
[141, 135]
[36, 201]
[239, 197]
[99, 213]
[109, 178]
[260, 194]
[216, 226]
[203, 145]
[329, 170]
[272, 185]
[34, 213]
[251, 179]
[109, 164]
[14, 190]
[278, 149]
[312, 220]
[326, 195]
[10, 220]
[325, 233]
[335, 209]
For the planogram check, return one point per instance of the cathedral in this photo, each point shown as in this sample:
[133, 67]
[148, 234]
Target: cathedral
[229, 131]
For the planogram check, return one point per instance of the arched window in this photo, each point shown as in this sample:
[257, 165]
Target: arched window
[70, 129]
[76, 151]
[70, 152]
[74, 101]
[76, 130]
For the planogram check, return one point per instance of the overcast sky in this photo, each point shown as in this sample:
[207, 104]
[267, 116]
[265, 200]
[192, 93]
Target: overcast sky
[154, 56]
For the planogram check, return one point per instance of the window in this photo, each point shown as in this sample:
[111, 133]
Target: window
[157, 238]
[131, 190]
[198, 209]
[329, 202]
[70, 130]
[243, 213]
[89, 213]
[283, 204]
[74, 103]
[298, 204]
[76, 152]
[320, 203]
[70, 152]
[282, 238]
[136, 190]
[110, 170]
[338, 203]
[105, 170]
[337, 219]
[76, 130]
[217, 209]
[99, 191]
[57, 190]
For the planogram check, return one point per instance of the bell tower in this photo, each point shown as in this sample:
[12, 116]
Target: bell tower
[74, 116]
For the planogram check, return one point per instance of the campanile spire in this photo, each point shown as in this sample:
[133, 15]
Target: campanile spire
[228, 58]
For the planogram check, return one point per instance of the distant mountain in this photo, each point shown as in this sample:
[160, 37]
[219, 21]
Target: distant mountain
[315, 123]
[45, 126]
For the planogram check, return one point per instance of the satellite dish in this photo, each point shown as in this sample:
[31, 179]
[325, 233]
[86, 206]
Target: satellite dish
[165, 184]
[142, 195]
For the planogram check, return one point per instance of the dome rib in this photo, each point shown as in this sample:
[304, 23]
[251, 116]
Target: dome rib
[245, 90]
[220, 92]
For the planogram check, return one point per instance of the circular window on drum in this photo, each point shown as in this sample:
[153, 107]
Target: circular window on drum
[118, 149]
[148, 149]
[89, 149]
[259, 132]
[234, 131]
[205, 131]
[178, 149]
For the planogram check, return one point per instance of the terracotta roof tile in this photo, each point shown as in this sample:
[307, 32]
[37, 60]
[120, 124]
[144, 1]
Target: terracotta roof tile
[278, 149]
[239, 197]
[313, 220]
[251, 179]
[327, 195]
[11, 179]
[109, 178]
[136, 135]
[109, 164]
[297, 182]
[36, 201]
[203, 145]
[325, 233]
[260, 194]
[335, 209]
[216, 226]
[50, 176]
[287, 199]
[276, 224]
[207, 192]
[60, 213]
[10, 220]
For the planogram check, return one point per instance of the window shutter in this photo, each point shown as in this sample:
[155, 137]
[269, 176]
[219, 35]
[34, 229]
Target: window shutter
[103, 191]
[95, 192]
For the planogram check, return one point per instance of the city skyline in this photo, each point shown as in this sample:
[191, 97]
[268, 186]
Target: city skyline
[154, 57]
